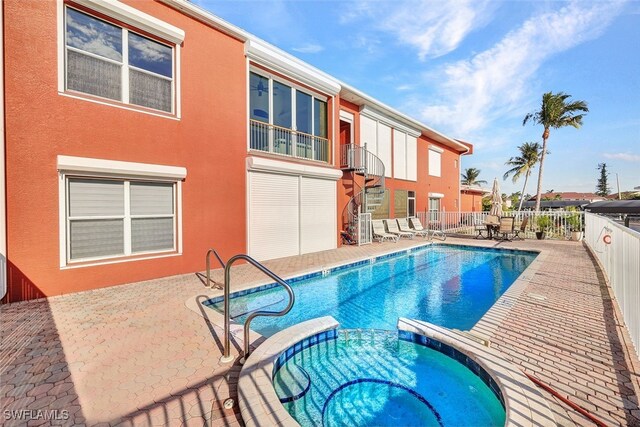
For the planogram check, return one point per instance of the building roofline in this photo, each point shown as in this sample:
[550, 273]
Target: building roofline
[208, 18]
[403, 118]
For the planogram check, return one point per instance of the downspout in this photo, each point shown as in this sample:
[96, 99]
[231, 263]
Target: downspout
[3, 193]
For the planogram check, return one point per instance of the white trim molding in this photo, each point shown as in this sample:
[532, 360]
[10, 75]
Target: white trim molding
[436, 149]
[131, 16]
[119, 168]
[279, 61]
[270, 165]
[377, 115]
[436, 196]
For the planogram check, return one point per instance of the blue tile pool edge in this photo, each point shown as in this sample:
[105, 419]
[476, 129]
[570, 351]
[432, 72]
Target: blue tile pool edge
[321, 273]
[403, 335]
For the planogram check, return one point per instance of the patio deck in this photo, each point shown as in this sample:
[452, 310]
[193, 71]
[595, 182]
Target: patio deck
[136, 355]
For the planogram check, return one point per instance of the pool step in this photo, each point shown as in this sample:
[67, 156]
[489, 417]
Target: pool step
[475, 337]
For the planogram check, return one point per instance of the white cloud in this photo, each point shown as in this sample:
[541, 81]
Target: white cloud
[433, 28]
[627, 157]
[308, 48]
[493, 83]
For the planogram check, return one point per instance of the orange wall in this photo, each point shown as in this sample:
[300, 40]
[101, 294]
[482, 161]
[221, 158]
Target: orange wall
[209, 140]
[471, 202]
[447, 184]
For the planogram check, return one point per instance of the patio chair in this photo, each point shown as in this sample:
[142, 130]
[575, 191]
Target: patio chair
[392, 226]
[522, 229]
[506, 227]
[380, 233]
[417, 225]
[481, 229]
[404, 226]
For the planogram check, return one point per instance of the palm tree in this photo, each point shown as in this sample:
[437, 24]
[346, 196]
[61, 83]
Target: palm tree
[470, 177]
[523, 165]
[555, 112]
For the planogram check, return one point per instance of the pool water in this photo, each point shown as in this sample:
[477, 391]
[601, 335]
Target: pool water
[373, 378]
[450, 286]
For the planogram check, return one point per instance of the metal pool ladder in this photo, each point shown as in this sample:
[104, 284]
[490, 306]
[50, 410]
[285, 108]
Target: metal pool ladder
[226, 357]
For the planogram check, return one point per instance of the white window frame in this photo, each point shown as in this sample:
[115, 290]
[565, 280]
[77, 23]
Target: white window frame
[411, 195]
[434, 214]
[294, 89]
[167, 34]
[127, 172]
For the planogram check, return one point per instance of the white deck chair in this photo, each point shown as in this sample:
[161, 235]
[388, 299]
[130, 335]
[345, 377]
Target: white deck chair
[392, 226]
[404, 226]
[417, 225]
[380, 233]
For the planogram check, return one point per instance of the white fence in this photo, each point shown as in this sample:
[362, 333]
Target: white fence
[365, 235]
[559, 226]
[618, 249]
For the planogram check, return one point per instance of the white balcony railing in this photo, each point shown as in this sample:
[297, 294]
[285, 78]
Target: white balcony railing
[288, 142]
[618, 250]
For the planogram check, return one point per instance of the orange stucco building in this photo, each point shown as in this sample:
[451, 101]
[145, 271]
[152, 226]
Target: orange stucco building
[138, 134]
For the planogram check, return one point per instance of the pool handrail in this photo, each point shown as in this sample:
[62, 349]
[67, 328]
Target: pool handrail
[226, 357]
[208, 262]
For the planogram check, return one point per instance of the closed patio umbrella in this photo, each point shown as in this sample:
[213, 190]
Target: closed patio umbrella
[496, 199]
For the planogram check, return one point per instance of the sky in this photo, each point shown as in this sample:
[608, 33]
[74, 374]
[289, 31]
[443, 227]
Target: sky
[473, 69]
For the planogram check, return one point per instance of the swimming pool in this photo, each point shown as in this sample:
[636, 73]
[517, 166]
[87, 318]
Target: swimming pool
[447, 285]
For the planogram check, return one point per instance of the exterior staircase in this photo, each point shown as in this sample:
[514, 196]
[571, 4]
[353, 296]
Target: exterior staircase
[360, 161]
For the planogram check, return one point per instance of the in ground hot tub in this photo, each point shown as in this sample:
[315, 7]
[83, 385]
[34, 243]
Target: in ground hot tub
[382, 378]
[314, 374]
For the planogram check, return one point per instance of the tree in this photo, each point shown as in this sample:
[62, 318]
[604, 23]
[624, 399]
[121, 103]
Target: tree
[602, 188]
[523, 164]
[470, 177]
[555, 112]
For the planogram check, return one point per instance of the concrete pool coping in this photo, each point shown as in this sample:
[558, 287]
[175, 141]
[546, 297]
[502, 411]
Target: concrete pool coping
[260, 405]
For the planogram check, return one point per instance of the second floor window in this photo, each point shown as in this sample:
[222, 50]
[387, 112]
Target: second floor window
[286, 120]
[108, 61]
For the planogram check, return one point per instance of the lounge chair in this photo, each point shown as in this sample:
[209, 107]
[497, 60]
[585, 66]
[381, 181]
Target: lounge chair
[380, 233]
[417, 226]
[522, 229]
[404, 226]
[392, 226]
[506, 227]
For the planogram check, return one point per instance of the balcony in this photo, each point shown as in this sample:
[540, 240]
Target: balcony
[287, 142]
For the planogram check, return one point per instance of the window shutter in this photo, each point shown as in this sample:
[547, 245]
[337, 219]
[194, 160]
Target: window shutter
[155, 231]
[88, 237]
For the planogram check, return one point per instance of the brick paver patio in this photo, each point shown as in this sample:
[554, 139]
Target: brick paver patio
[137, 355]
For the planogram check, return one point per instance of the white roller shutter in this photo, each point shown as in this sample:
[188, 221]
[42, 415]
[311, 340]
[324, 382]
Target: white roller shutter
[273, 215]
[317, 215]
[412, 158]
[399, 155]
[369, 134]
[384, 147]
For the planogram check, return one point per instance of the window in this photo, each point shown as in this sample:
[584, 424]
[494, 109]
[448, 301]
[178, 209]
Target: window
[107, 218]
[112, 62]
[411, 204]
[298, 124]
[434, 209]
[435, 161]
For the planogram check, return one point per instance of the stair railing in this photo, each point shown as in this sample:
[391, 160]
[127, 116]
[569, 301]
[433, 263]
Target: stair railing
[208, 262]
[362, 161]
[226, 357]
